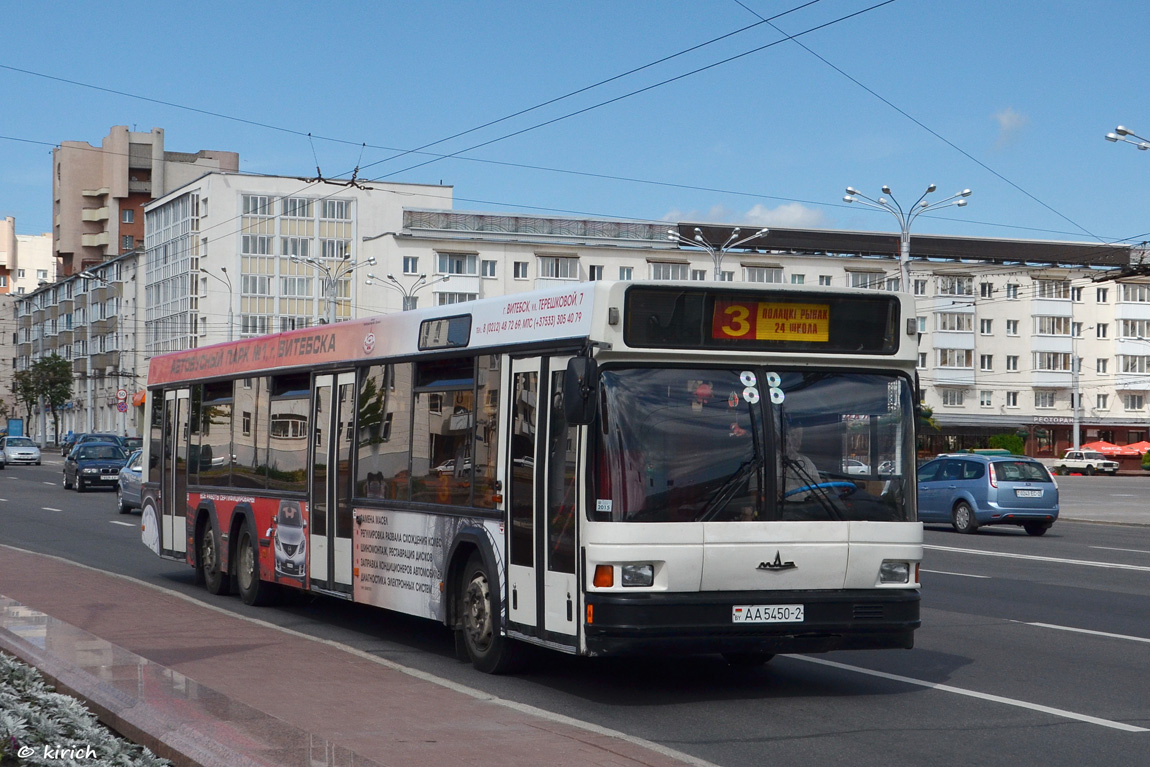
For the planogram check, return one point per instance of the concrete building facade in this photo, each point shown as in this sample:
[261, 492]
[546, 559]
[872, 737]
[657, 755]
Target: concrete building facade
[99, 193]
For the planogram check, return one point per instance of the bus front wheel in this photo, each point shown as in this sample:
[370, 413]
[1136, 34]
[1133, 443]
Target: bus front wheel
[479, 610]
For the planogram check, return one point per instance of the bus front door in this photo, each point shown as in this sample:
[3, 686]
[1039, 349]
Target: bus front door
[174, 474]
[542, 590]
[329, 507]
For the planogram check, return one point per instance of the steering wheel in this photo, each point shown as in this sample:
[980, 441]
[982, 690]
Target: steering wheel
[847, 487]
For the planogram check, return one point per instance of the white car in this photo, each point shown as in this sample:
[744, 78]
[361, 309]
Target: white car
[19, 450]
[855, 466]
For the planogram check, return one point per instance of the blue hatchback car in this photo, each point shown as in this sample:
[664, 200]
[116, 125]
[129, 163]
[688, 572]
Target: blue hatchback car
[969, 491]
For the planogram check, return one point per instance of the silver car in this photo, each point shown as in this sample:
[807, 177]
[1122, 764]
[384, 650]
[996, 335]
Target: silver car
[128, 484]
[19, 450]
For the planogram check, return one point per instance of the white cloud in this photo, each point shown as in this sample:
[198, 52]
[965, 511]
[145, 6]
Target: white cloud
[790, 215]
[1010, 124]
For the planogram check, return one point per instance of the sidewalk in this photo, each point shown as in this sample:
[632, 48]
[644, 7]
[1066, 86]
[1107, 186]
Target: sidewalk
[201, 687]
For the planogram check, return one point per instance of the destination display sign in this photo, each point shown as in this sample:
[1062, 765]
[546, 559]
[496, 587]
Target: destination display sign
[771, 321]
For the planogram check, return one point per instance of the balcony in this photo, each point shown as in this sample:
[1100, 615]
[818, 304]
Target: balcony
[95, 240]
[953, 376]
[94, 214]
[1051, 379]
[101, 192]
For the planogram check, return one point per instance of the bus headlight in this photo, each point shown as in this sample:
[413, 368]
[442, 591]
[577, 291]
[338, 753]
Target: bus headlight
[894, 572]
[638, 575]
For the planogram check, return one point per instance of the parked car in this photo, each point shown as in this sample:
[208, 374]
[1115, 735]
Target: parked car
[132, 443]
[128, 484]
[19, 450]
[970, 491]
[94, 464]
[115, 440]
[68, 442]
[1087, 462]
[855, 466]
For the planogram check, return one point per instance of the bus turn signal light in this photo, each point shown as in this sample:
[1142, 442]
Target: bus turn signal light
[604, 576]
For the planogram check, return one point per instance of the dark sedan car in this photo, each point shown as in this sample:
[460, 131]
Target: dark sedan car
[94, 464]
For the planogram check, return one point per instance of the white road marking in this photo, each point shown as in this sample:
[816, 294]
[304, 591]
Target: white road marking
[53, 484]
[1034, 558]
[961, 575]
[979, 695]
[125, 524]
[1109, 548]
[50, 508]
[1086, 631]
[1123, 495]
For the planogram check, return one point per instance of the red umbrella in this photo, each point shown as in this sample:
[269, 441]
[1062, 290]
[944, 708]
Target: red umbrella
[1141, 447]
[1104, 447]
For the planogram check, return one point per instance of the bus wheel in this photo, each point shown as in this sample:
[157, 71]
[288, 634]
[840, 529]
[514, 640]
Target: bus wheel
[479, 611]
[747, 659]
[215, 580]
[252, 590]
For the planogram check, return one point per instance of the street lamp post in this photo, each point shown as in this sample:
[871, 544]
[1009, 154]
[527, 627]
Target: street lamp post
[407, 291]
[1120, 134]
[331, 277]
[905, 218]
[716, 252]
[227, 280]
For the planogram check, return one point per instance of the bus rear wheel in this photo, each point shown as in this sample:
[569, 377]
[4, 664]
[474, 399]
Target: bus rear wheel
[479, 611]
[252, 590]
[215, 580]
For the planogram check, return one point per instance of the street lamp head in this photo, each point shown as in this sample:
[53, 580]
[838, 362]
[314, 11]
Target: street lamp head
[852, 190]
[848, 198]
[931, 188]
[1111, 136]
[882, 201]
[1121, 130]
[961, 203]
[885, 189]
[964, 193]
[1143, 145]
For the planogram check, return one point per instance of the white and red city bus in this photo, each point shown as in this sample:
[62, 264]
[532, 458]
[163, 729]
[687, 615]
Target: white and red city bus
[607, 469]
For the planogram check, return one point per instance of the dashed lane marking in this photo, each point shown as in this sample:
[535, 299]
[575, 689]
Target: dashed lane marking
[1034, 558]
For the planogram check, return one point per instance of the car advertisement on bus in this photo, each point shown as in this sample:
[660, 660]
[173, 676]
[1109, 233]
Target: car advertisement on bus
[280, 525]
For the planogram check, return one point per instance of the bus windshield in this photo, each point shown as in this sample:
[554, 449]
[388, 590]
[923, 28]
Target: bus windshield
[753, 444]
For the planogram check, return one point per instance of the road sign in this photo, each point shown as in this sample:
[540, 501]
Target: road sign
[122, 407]
[122, 395]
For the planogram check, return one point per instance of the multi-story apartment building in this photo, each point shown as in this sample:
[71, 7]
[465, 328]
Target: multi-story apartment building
[26, 260]
[1000, 322]
[98, 193]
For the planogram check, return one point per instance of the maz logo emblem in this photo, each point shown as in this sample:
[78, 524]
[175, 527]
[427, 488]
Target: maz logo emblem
[778, 564]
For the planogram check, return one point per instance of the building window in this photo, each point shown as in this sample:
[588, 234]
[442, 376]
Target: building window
[458, 263]
[127, 216]
[955, 358]
[1134, 328]
[1012, 292]
[487, 268]
[1101, 364]
[825, 280]
[984, 398]
[411, 264]
[1076, 295]
[1012, 327]
[1131, 363]
[256, 245]
[296, 207]
[725, 276]
[295, 287]
[336, 210]
[873, 281]
[520, 270]
[19, 274]
[595, 273]
[1052, 326]
[255, 285]
[922, 324]
[41, 274]
[922, 360]
[299, 247]
[984, 327]
[455, 298]
[664, 271]
[953, 397]
[1052, 289]
[1101, 329]
[986, 289]
[1012, 399]
[1102, 402]
[127, 242]
[962, 323]
[1137, 294]
[626, 272]
[558, 268]
[986, 362]
[762, 274]
[1133, 401]
[1101, 294]
[1012, 362]
[1044, 400]
[335, 248]
[798, 279]
[698, 275]
[254, 324]
[952, 285]
[1056, 361]
[3, 280]
[920, 287]
[256, 205]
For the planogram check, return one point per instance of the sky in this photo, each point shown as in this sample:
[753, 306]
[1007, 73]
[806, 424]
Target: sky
[1009, 99]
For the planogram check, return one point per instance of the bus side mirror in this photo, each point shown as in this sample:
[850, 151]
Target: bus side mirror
[581, 391]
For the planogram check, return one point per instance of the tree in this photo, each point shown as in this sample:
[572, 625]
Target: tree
[50, 378]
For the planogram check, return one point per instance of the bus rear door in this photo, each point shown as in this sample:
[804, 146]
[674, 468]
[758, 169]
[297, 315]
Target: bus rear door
[542, 590]
[174, 474]
[329, 507]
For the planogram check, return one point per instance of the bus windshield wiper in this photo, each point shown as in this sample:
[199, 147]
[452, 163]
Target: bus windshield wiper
[820, 494]
[729, 489]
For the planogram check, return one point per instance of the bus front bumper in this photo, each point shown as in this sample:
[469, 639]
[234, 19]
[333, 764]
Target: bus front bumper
[662, 623]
